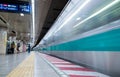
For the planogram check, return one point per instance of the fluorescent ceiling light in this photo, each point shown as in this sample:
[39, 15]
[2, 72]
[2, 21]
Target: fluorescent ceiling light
[100, 11]
[28, 34]
[21, 14]
[33, 19]
[73, 14]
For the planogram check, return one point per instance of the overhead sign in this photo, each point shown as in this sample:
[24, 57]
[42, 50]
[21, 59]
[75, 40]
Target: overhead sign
[24, 8]
[19, 7]
[8, 7]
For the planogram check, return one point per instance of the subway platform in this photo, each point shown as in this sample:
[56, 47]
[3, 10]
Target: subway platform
[37, 64]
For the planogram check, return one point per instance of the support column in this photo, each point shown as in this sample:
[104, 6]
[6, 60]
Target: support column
[3, 41]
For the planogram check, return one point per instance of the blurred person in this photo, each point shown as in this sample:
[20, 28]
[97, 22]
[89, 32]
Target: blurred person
[18, 46]
[12, 47]
[29, 48]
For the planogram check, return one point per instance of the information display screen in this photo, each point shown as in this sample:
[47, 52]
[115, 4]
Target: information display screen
[8, 7]
[15, 7]
[24, 8]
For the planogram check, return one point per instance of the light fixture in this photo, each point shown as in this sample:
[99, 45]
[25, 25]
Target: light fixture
[98, 12]
[28, 34]
[33, 20]
[21, 14]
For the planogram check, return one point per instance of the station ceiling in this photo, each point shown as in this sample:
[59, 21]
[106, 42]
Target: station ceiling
[46, 12]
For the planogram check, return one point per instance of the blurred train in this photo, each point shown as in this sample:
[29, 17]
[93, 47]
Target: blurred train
[87, 32]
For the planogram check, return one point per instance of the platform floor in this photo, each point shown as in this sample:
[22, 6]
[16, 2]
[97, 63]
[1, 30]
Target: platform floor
[10, 62]
[41, 65]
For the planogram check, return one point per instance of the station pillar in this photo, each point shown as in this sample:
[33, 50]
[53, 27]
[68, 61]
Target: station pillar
[3, 41]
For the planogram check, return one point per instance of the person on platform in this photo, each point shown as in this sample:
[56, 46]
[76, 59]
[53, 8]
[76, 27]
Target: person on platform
[18, 46]
[12, 47]
[29, 48]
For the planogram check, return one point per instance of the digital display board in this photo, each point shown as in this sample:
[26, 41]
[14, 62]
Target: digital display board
[8, 7]
[24, 8]
[15, 7]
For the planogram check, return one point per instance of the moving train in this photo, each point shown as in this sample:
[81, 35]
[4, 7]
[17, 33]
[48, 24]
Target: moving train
[87, 32]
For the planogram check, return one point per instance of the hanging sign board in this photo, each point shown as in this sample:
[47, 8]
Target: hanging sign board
[15, 7]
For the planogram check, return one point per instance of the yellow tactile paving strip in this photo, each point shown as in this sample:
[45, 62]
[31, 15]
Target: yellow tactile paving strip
[25, 69]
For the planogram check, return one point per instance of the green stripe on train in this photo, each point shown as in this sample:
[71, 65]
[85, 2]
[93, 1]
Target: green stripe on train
[107, 41]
